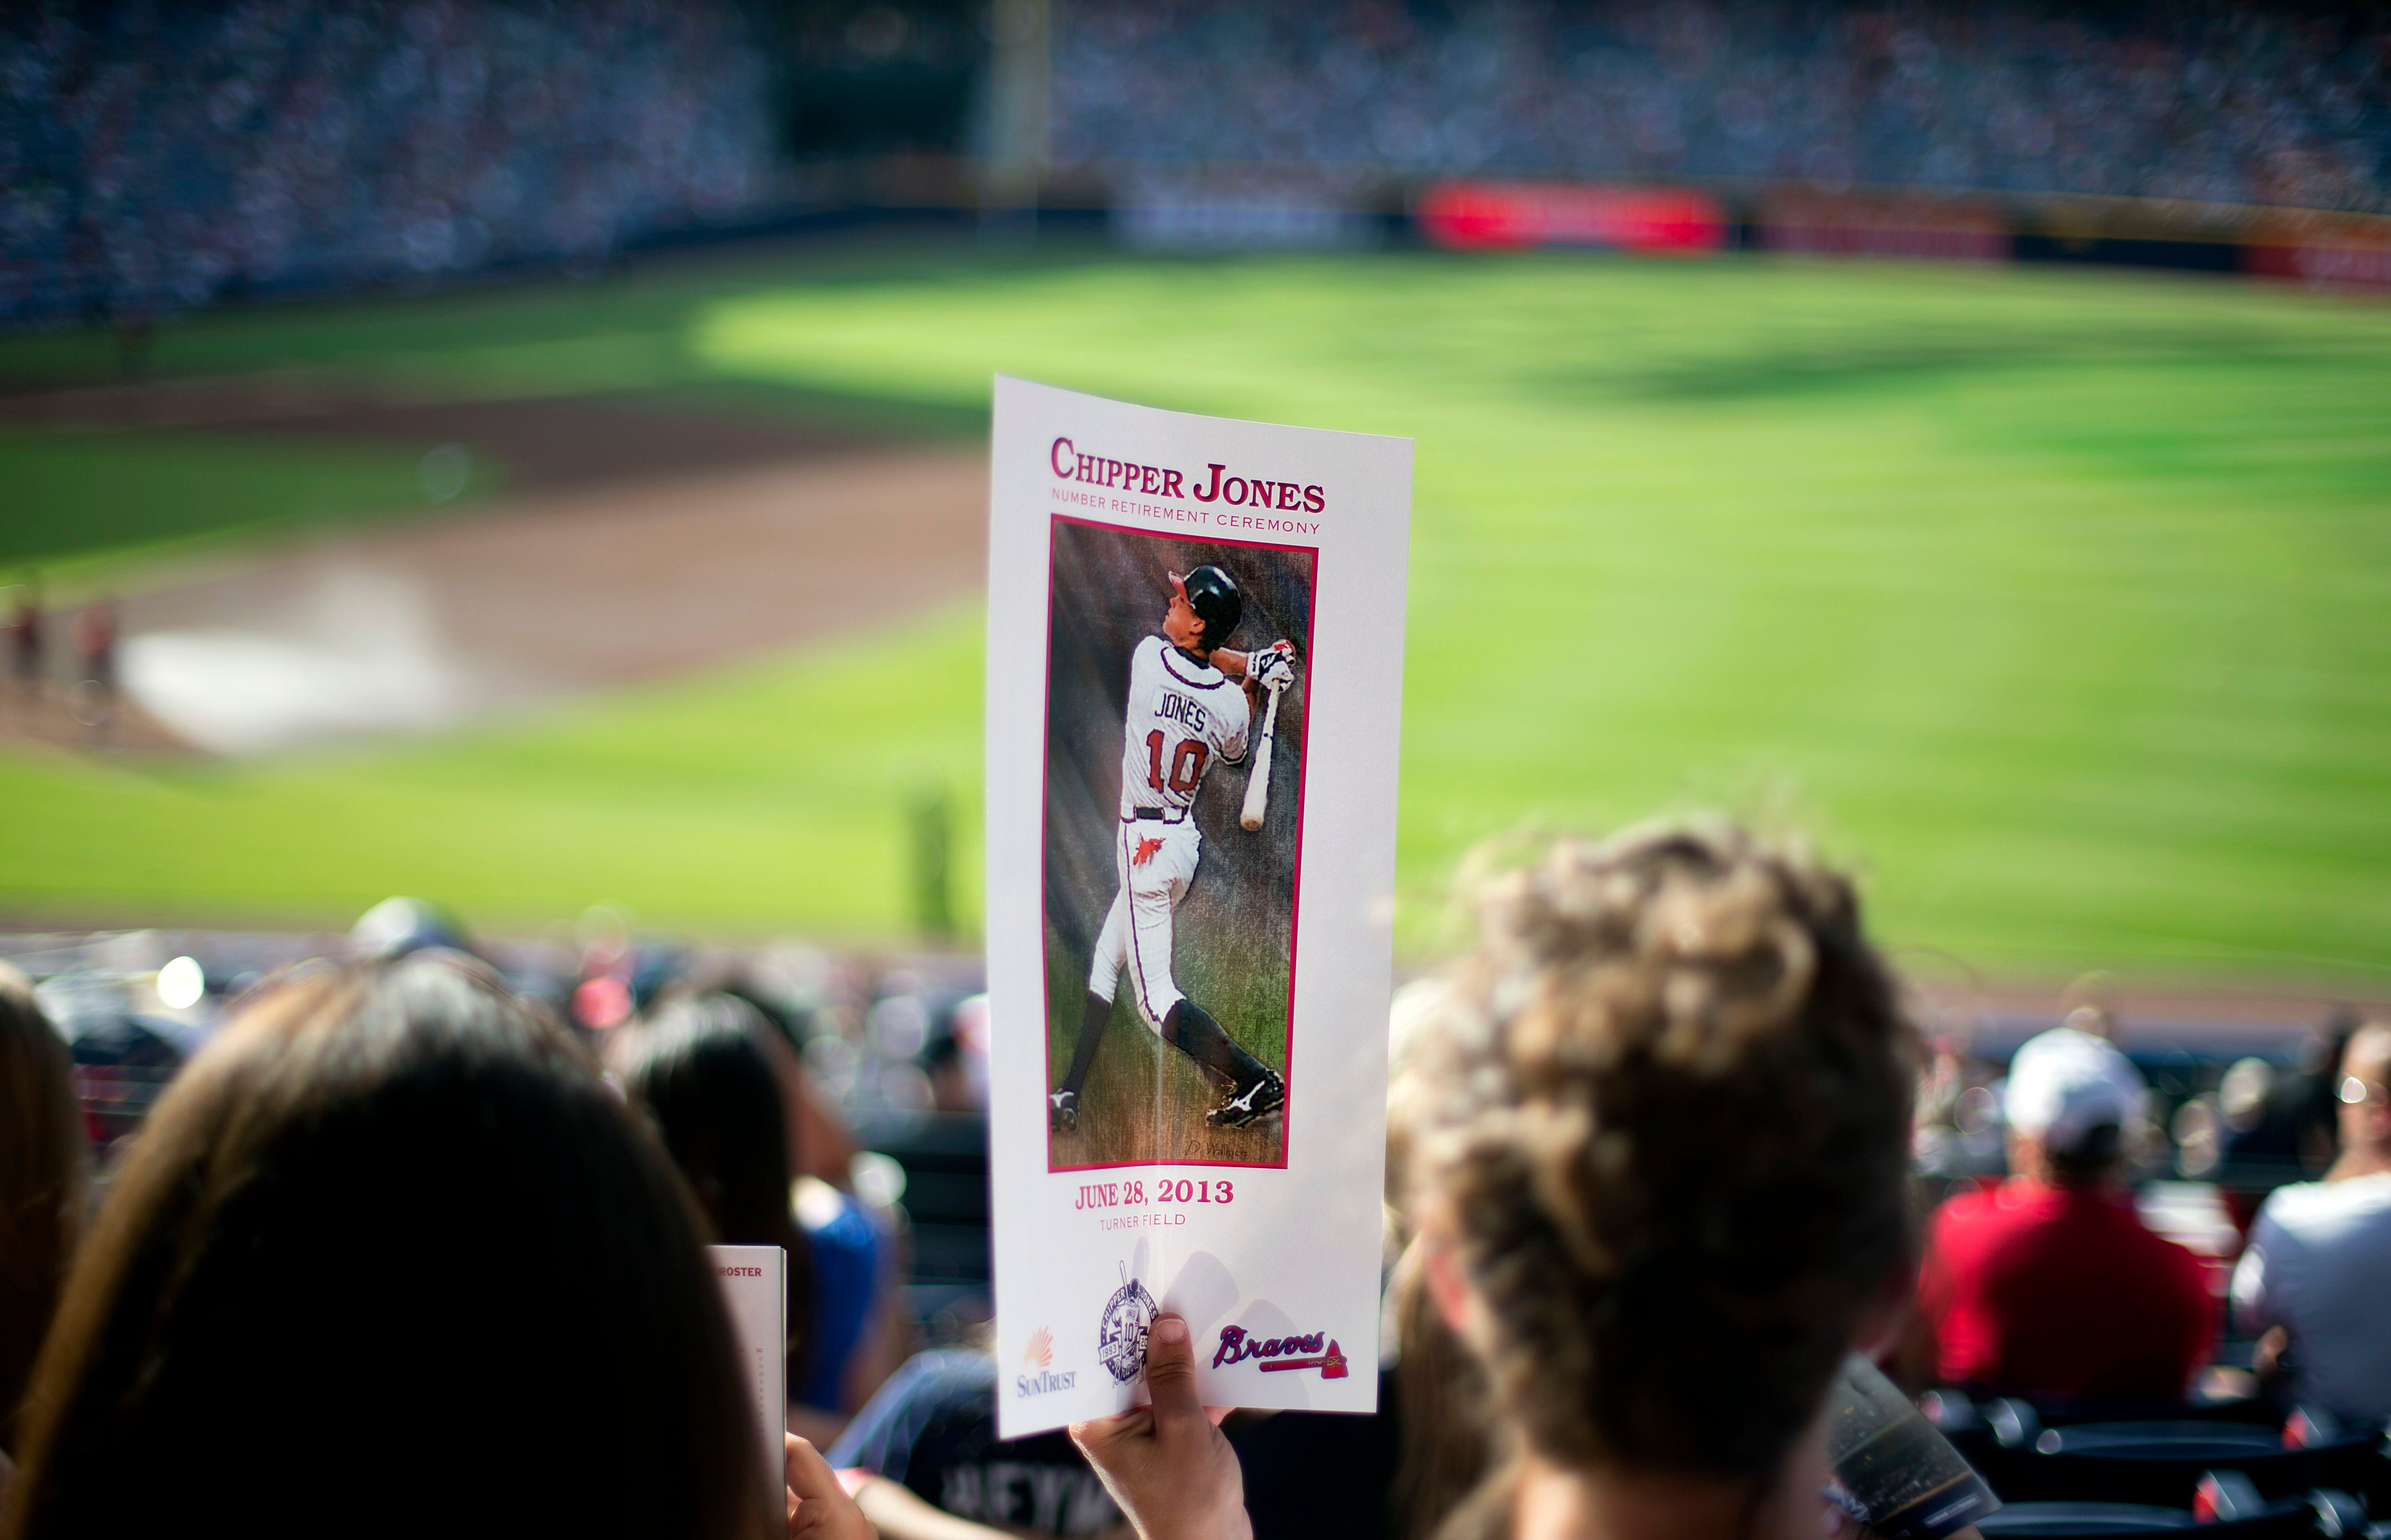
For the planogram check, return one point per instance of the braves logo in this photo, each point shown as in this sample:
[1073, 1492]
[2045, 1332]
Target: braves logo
[1145, 850]
[1237, 1347]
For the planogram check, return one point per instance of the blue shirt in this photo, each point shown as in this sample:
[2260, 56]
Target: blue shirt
[846, 1255]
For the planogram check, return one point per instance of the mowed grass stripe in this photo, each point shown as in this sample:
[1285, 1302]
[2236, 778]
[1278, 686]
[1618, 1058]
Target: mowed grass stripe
[90, 507]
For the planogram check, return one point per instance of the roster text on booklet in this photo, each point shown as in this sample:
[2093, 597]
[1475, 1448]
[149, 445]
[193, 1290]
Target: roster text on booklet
[1194, 694]
[755, 1283]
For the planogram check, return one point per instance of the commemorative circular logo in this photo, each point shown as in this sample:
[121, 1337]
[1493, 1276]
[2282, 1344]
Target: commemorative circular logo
[1121, 1336]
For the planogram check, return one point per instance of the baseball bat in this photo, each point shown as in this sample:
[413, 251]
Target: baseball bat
[1257, 784]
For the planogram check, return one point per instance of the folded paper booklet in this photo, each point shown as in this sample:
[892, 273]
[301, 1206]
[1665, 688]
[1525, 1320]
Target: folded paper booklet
[1194, 689]
[754, 1286]
[1893, 1471]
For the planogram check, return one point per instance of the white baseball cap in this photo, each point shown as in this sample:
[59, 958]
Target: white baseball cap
[2065, 1084]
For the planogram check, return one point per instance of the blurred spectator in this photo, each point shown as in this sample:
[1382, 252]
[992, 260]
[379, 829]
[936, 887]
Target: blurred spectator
[392, 1252]
[2319, 1105]
[44, 1165]
[2090, 1012]
[399, 927]
[821, 1145]
[1957, 1138]
[154, 158]
[2257, 1135]
[94, 642]
[2313, 1277]
[698, 1068]
[25, 638]
[931, 1431]
[955, 1058]
[2260, 1125]
[2207, 100]
[601, 1000]
[2050, 1284]
[857, 1334]
[123, 1064]
[95, 645]
[854, 1314]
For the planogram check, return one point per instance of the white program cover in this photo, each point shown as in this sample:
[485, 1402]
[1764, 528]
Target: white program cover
[1191, 861]
[754, 1285]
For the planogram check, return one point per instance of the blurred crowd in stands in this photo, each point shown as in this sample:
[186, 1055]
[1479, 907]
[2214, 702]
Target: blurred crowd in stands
[2209, 100]
[154, 157]
[1593, 1152]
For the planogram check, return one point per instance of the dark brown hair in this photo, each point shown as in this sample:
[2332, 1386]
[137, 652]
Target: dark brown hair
[1672, 1146]
[390, 1257]
[2094, 1160]
[697, 1068]
[44, 1161]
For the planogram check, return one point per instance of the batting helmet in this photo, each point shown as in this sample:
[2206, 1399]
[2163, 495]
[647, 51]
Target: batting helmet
[1212, 594]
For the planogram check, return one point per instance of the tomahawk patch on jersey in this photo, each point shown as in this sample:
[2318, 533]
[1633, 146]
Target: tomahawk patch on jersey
[1183, 715]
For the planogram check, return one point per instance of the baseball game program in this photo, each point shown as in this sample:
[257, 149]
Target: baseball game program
[1194, 690]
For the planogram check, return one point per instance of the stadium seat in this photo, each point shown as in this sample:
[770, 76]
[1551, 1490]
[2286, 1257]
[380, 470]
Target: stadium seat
[2160, 1464]
[2068, 1521]
[2326, 1514]
[123, 1064]
[2287, 1520]
[1954, 1410]
[945, 1159]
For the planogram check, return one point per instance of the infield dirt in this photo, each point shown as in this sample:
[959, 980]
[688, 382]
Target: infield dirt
[638, 538]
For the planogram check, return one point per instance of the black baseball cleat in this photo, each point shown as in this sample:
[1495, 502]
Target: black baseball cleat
[1062, 1110]
[1242, 1108]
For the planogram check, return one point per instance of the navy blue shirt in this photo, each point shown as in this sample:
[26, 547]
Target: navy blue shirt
[932, 1427]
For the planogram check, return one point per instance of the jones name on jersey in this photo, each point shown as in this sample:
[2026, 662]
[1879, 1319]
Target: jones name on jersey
[1182, 716]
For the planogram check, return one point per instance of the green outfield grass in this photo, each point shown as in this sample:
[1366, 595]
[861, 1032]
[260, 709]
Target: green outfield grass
[89, 508]
[2054, 599]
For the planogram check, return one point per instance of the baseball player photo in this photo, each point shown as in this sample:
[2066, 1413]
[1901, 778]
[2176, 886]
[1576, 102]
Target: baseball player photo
[1173, 805]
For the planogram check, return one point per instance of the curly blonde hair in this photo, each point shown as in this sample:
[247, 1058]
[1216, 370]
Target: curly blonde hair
[1672, 1142]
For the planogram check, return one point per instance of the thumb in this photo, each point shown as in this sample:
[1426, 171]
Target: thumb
[1170, 1375]
[807, 1473]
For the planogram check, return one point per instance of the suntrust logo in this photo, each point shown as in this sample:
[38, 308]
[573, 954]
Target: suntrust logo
[1044, 1383]
[1279, 1354]
[1039, 1352]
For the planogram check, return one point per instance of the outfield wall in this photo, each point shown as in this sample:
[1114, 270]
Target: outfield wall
[1230, 209]
[1252, 209]
[2316, 248]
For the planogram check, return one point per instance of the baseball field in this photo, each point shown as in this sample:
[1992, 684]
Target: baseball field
[2056, 601]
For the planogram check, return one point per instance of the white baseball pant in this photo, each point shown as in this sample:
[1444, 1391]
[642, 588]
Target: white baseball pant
[1155, 862]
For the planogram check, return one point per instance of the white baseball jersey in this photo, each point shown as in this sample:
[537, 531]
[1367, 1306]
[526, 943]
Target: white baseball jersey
[1182, 716]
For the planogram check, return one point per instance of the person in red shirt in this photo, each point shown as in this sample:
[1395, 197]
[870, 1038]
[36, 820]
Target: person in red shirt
[2050, 1284]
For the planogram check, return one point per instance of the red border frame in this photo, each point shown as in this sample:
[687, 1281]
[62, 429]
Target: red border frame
[1295, 898]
